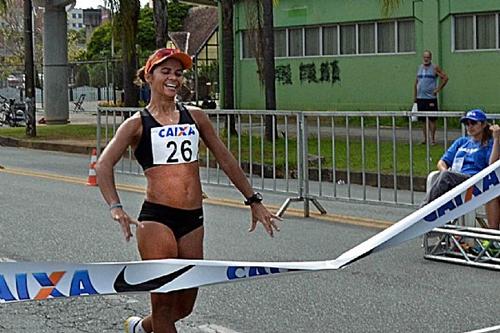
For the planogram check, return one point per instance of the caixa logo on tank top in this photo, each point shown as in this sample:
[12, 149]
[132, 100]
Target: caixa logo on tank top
[175, 144]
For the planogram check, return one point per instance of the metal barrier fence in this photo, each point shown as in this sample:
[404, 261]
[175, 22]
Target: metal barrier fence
[370, 157]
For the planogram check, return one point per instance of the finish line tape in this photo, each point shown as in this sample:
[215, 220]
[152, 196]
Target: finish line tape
[25, 281]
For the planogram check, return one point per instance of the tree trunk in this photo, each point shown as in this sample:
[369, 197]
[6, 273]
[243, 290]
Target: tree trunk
[228, 58]
[161, 22]
[269, 75]
[129, 12]
[29, 70]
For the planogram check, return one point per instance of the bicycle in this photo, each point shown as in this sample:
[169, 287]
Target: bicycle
[11, 113]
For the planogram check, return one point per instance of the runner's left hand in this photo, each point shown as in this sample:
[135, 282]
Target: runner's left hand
[262, 215]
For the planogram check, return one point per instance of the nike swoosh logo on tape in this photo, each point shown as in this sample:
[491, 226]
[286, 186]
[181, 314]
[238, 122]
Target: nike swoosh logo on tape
[121, 285]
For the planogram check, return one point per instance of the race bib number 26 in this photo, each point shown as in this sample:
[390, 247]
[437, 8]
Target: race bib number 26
[175, 144]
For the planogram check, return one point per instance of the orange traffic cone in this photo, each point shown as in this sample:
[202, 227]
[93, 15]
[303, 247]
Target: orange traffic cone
[92, 179]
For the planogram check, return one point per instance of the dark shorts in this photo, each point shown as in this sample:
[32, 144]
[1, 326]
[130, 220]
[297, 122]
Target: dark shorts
[427, 105]
[180, 221]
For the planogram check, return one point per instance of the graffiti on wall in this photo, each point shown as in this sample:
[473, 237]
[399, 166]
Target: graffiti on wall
[284, 74]
[328, 72]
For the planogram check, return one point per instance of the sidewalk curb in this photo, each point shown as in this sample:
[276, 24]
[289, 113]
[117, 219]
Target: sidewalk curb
[44, 145]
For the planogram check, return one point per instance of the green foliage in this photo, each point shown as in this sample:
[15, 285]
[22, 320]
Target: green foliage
[99, 46]
[76, 45]
[82, 76]
[146, 34]
[78, 36]
[97, 75]
[12, 39]
[210, 72]
[177, 12]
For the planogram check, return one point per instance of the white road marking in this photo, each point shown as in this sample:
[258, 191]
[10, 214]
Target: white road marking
[487, 329]
[211, 328]
[6, 260]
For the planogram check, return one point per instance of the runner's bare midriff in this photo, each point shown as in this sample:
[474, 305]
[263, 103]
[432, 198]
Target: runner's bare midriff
[176, 186]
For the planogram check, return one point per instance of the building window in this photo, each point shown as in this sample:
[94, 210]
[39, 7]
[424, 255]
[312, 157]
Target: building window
[464, 33]
[476, 32]
[295, 43]
[385, 37]
[248, 41]
[280, 43]
[312, 41]
[366, 38]
[348, 39]
[486, 31]
[330, 40]
[406, 36]
[73, 15]
[372, 38]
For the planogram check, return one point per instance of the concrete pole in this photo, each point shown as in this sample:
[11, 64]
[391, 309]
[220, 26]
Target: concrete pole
[55, 67]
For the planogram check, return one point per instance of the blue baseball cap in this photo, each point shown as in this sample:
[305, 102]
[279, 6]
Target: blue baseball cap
[476, 115]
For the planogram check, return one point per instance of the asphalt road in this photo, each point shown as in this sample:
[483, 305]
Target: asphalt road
[53, 219]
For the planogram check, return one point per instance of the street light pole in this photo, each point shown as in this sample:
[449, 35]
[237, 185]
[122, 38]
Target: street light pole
[111, 4]
[29, 70]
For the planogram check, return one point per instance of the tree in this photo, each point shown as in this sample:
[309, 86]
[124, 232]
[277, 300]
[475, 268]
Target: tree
[146, 37]
[76, 45]
[161, 22]
[127, 23]
[177, 12]
[12, 38]
[228, 58]
[11, 35]
[99, 46]
[269, 75]
[129, 17]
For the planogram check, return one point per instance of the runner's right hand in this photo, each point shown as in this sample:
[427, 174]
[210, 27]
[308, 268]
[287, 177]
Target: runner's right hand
[120, 216]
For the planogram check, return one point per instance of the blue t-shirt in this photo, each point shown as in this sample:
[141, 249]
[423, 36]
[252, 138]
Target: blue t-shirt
[469, 155]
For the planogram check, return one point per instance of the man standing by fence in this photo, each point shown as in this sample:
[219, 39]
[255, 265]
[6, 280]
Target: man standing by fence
[426, 91]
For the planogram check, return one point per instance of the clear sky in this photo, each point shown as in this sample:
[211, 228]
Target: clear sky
[96, 3]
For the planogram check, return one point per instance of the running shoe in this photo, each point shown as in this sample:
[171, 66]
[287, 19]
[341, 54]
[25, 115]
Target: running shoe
[492, 247]
[133, 325]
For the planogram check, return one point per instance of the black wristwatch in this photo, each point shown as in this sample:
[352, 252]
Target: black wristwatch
[255, 198]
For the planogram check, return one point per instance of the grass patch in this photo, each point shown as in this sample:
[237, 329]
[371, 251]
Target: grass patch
[262, 150]
[53, 132]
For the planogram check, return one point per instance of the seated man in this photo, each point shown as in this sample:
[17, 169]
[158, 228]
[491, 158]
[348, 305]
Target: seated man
[466, 157]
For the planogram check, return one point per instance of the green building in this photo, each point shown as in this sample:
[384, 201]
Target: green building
[348, 55]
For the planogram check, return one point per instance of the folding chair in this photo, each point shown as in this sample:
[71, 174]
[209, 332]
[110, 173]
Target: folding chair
[78, 104]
